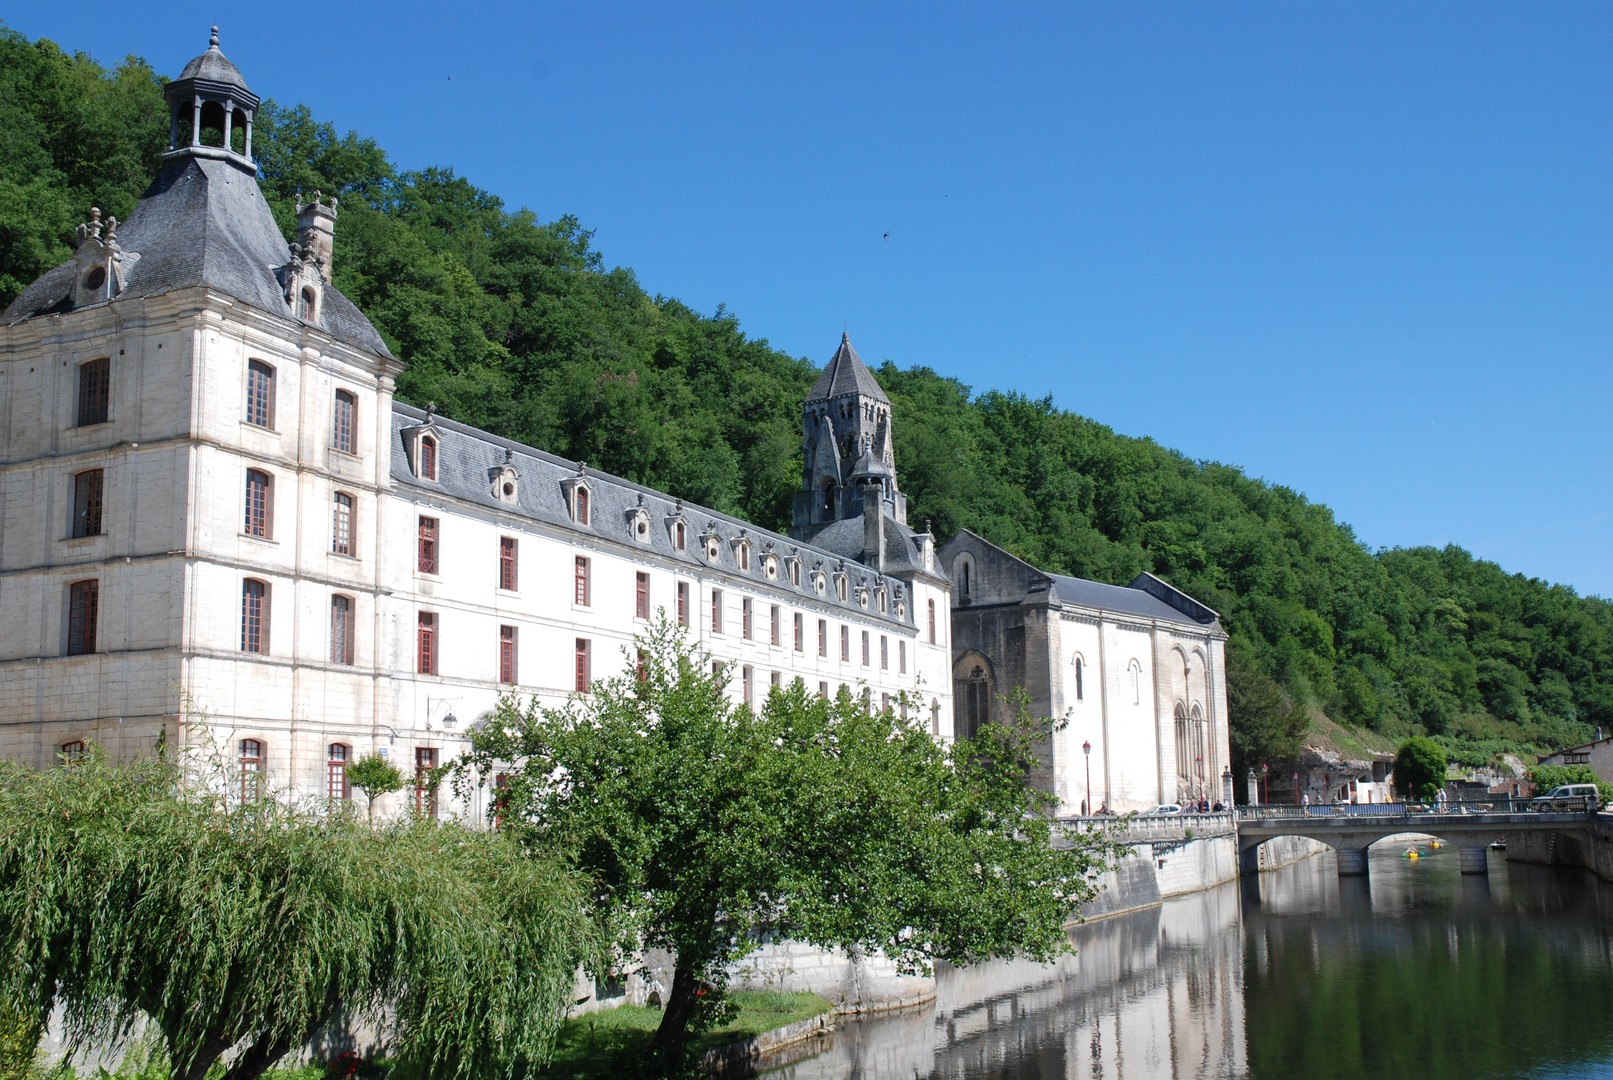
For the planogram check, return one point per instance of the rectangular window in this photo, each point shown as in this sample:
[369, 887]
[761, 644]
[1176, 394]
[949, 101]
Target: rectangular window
[901, 657]
[336, 789]
[341, 434]
[745, 618]
[425, 784]
[259, 516]
[747, 689]
[582, 666]
[341, 629]
[641, 595]
[94, 392]
[506, 563]
[775, 624]
[260, 394]
[426, 644]
[83, 613]
[579, 592]
[506, 654]
[932, 622]
[865, 648]
[341, 524]
[683, 603]
[775, 679]
[845, 644]
[716, 611]
[884, 653]
[87, 491]
[254, 616]
[823, 637]
[251, 751]
[800, 632]
[823, 689]
[427, 561]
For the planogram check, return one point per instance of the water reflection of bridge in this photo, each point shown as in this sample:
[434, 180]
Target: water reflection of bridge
[1350, 830]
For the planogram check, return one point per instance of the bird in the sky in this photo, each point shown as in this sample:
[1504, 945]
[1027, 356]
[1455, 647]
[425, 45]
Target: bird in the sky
[887, 236]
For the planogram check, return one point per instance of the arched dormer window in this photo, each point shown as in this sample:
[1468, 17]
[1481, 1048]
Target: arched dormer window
[841, 587]
[308, 304]
[741, 552]
[680, 534]
[428, 457]
[582, 511]
[794, 564]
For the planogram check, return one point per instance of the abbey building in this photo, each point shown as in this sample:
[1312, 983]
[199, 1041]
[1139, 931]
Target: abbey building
[218, 529]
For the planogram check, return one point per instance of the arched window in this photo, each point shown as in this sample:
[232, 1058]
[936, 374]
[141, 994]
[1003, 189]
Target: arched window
[71, 751]
[828, 496]
[309, 308]
[1080, 672]
[336, 759]
[963, 578]
[1183, 760]
[259, 394]
[972, 692]
[341, 524]
[1136, 671]
[341, 629]
[580, 508]
[342, 424]
[254, 616]
[428, 458]
[251, 751]
[259, 516]
[680, 534]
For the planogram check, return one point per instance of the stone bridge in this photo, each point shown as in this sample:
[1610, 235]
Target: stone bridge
[1350, 830]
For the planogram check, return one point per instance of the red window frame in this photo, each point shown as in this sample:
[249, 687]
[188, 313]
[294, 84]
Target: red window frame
[582, 667]
[581, 510]
[429, 549]
[507, 563]
[680, 534]
[580, 590]
[774, 619]
[426, 643]
[716, 611]
[845, 644]
[865, 648]
[884, 653]
[506, 654]
[823, 638]
[251, 759]
[641, 595]
[745, 618]
[337, 756]
[425, 792]
[428, 458]
[800, 632]
[683, 603]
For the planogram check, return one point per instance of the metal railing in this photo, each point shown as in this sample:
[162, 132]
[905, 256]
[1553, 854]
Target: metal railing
[1586, 805]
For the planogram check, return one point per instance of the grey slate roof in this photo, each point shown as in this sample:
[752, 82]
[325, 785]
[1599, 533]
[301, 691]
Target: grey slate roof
[1125, 599]
[203, 222]
[214, 66]
[466, 456]
[846, 537]
[846, 374]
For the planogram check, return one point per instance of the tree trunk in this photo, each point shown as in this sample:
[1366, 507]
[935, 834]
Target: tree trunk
[256, 1059]
[672, 1037]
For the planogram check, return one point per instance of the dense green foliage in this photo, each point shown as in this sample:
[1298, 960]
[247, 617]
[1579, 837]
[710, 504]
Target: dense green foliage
[1546, 777]
[1420, 769]
[518, 325]
[130, 892]
[705, 826]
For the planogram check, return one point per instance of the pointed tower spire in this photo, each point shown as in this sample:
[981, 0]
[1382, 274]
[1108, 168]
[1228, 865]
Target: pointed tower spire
[845, 427]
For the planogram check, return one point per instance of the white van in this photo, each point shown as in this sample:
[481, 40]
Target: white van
[1568, 797]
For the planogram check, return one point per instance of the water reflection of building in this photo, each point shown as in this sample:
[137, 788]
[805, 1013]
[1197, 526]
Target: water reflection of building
[1152, 993]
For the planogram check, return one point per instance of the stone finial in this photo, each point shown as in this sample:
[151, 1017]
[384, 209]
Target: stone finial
[509, 455]
[582, 469]
[679, 508]
[641, 498]
[212, 42]
[431, 409]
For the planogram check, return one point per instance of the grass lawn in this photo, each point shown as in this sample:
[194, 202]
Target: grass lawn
[611, 1043]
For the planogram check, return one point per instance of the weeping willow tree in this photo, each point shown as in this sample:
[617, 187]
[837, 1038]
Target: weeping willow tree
[130, 896]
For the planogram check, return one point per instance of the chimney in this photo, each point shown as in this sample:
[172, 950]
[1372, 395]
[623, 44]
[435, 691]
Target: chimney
[316, 232]
[873, 526]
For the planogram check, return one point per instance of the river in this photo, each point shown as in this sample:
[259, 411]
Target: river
[1414, 970]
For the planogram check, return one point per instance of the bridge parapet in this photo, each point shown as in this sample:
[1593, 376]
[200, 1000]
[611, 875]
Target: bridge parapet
[1151, 828]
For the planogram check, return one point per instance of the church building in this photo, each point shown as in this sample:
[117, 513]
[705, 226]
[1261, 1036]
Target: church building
[218, 529]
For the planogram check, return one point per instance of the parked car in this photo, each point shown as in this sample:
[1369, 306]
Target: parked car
[1567, 797]
[1168, 808]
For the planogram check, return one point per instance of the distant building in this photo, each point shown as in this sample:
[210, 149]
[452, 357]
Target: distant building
[1134, 678]
[1597, 755]
[219, 529]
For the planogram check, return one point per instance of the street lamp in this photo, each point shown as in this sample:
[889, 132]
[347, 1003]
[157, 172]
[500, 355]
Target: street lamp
[1254, 786]
[1296, 787]
[1265, 783]
[1086, 748]
[1198, 775]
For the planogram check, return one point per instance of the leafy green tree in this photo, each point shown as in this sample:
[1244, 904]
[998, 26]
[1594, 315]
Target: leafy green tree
[705, 826]
[127, 892]
[375, 776]
[1419, 770]
[1546, 777]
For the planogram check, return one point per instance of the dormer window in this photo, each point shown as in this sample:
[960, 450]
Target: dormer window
[819, 581]
[794, 564]
[581, 506]
[638, 523]
[862, 596]
[711, 542]
[884, 600]
[308, 304]
[770, 567]
[680, 534]
[841, 586]
[741, 552]
[505, 481]
[428, 457]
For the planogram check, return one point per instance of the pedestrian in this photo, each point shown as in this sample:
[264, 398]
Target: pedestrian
[1305, 800]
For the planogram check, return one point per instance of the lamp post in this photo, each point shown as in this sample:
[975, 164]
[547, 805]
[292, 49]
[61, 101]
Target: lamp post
[1296, 787]
[1086, 748]
[1198, 775]
[1254, 786]
[1265, 783]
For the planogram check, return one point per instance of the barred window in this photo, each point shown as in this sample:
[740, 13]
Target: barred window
[583, 667]
[426, 643]
[259, 515]
[254, 616]
[341, 435]
[341, 629]
[94, 392]
[427, 561]
[88, 487]
[83, 613]
[580, 590]
[425, 784]
[506, 654]
[260, 394]
[506, 563]
[336, 758]
[341, 524]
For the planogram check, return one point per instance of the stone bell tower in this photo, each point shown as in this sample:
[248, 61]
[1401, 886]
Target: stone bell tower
[846, 440]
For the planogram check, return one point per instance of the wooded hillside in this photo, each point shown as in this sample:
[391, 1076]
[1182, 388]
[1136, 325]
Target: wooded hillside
[520, 326]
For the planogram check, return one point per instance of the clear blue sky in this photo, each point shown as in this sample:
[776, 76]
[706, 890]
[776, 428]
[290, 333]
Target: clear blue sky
[1361, 250]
